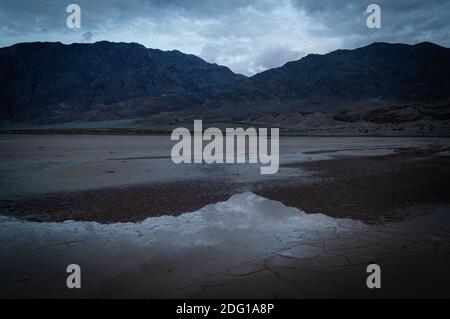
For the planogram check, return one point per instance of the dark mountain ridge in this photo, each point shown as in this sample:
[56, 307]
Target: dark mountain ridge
[104, 79]
[376, 75]
[53, 82]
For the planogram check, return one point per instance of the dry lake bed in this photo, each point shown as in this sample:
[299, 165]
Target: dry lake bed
[139, 225]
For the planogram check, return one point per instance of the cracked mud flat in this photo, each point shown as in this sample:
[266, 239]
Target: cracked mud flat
[243, 246]
[247, 246]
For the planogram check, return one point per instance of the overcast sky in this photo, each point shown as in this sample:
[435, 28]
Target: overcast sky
[248, 36]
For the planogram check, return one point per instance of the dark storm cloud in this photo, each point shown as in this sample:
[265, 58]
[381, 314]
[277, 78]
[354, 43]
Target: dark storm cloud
[88, 36]
[247, 35]
[407, 21]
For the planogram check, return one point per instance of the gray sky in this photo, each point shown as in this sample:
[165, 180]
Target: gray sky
[248, 36]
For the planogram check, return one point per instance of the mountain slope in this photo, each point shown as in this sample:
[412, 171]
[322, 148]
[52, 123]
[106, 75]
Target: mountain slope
[52, 82]
[378, 74]
[57, 82]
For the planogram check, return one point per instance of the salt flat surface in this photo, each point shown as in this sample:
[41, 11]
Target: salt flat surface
[39, 164]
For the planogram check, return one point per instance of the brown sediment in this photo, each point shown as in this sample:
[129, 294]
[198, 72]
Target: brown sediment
[124, 204]
[373, 189]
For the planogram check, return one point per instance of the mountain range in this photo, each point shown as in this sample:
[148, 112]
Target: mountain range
[46, 82]
[57, 82]
[379, 74]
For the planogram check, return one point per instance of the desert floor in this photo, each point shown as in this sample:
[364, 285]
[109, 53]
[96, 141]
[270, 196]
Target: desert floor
[140, 226]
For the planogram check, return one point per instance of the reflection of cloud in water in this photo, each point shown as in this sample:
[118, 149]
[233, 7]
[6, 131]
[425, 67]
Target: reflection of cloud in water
[230, 244]
[244, 223]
